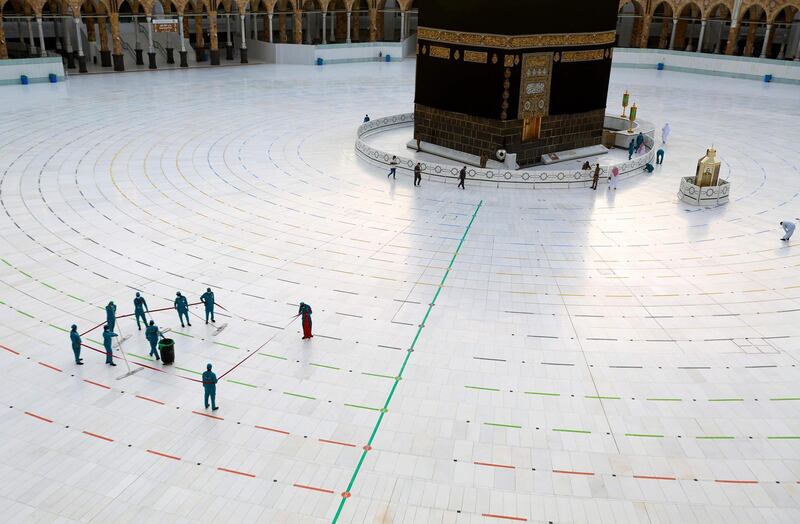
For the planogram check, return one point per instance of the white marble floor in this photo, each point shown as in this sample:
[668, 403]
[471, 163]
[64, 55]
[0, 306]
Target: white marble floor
[578, 356]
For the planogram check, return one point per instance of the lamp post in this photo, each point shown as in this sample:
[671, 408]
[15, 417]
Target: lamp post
[632, 117]
[625, 99]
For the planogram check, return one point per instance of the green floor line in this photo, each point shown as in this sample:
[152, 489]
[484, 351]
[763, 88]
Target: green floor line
[482, 389]
[273, 356]
[23, 313]
[182, 334]
[6, 262]
[226, 345]
[323, 366]
[498, 425]
[48, 285]
[377, 375]
[24, 273]
[716, 437]
[403, 367]
[665, 399]
[785, 398]
[726, 400]
[75, 298]
[359, 406]
[784, 437]
[93, 341]
[241, 383]
[188, 370]
[643, 435]
[58, 328]
[581, 431]
[299, 395]
[598, 397]
[542, 394]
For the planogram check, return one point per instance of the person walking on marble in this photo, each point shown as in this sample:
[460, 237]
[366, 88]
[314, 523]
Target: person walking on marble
[75, 338]
[631, 148]
[462, 175]
[665, 133]
[107, 336]
[305, 312]
[111, 315]
[788, 229]
[182, 306]
[151, 334]
[393, 169]
[139, 307]
[210, 388]
[417, 175]
[612, 180]
[640, 143]
[660, 156]
[207, 299]
[596, 176]
[366, 118]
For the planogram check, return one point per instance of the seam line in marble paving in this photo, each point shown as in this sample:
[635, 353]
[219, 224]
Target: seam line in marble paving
[383, 411]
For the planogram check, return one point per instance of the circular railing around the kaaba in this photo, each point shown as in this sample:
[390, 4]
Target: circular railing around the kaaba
[533, 178]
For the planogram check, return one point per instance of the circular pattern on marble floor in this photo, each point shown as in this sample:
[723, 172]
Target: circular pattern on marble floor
[577, 356]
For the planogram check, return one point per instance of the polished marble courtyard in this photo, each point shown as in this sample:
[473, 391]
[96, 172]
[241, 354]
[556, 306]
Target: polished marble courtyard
[485, 355]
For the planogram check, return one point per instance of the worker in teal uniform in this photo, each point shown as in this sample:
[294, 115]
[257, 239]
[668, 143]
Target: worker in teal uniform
[631, 149]
[151, 334]
[107, 336]
[207, 299]
[210, 387]
[139, 307]
[111, 315]
[75, 338]
[182, 305]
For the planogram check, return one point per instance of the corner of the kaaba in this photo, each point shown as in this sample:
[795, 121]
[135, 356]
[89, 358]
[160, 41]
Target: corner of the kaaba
[529, 78]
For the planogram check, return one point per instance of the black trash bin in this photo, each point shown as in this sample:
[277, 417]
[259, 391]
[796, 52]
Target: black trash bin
[166, 346]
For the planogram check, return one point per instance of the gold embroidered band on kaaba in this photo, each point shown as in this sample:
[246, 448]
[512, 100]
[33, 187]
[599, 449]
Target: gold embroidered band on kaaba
[516, 42]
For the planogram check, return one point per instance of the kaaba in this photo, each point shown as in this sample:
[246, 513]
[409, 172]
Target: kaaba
[526, 76]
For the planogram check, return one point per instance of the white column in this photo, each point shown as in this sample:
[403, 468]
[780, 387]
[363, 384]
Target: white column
[67, 34]
[349, 16]
[402, 25]
[30, 37]
[150, 48]
[180, 33]
[56, 32]
[674, 27]
[270, 27]
[230, 42]
[702, 34]
[42, 51]
[78, 33]
[324, 27]
[766, 41]
[244, 33]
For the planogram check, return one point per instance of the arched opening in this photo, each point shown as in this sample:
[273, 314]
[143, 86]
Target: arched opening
[687, 32]
[754, 24]
[630, 21]
[661, 26]
[718, 22]
[783, 25]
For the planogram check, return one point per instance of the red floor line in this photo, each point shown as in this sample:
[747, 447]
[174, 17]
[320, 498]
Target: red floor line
[724, 481]
[150, 400]
[652, 477]
[312, 488]
[96, 383]
[237, 472]
[274, 430]
[494, 465]
[9, 349]
[49, 366]
[335, 442]
[566, 472]
[506, 517]
[37, 416]
[153, 452]
[95, 435]
[207, 415]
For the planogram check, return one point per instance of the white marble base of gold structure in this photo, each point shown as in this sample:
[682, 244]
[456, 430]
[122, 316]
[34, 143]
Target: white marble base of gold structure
[704, 196]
